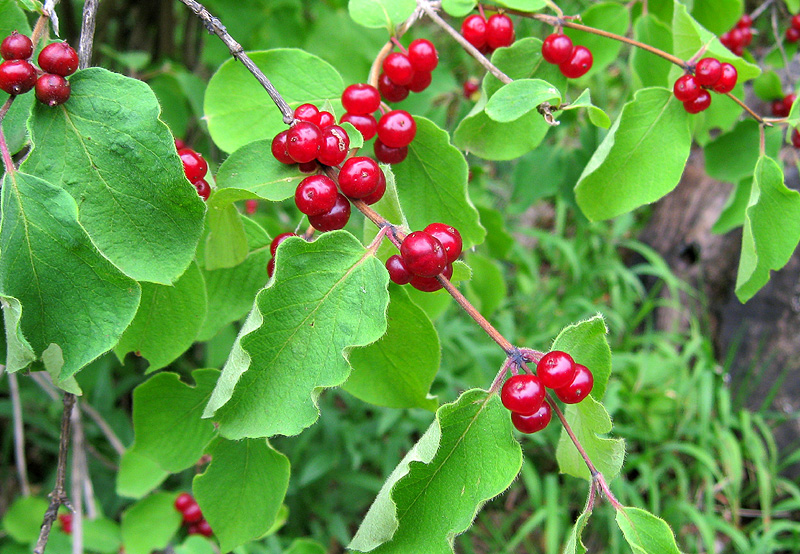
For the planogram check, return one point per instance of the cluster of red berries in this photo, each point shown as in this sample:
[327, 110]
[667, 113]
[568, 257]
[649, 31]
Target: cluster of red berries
[193, 518]
[488, 35]
[17, 75]
[709, 73]
[424, 255]
[793, 32]
[740, 36]
[782, 106]
[408, 70]
[65, 522]
[313, 138]
[195, 168]
[573, 61]
[524, 394]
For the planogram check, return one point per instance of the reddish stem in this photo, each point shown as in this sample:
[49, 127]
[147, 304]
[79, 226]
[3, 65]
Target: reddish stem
[7, 161]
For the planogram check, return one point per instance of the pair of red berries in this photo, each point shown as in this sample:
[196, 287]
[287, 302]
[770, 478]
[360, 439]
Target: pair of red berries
[524, 394]
[424, 255]
[17, 75]
[65, 522]
[783, 106]
[740, 36]
[192, 516]
[195, 168]
[273, 247]
[709, 73]
[313, 138]
[573, 61]
[793, 32]
[408, 71]
[488, 35]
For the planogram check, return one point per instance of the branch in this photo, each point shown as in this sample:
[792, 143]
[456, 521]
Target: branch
[6, 155]
[87, 33]
[19, 435]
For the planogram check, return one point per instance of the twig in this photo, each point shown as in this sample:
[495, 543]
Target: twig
[761, 9]
[78, 477]
[7, 161]
[87, 33]
[779, 42]
[50, 11]
[19, 435]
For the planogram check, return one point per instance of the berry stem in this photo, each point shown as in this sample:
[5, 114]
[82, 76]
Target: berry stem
[761, 9]
[7, 161]
[375, 70]
[397, 43]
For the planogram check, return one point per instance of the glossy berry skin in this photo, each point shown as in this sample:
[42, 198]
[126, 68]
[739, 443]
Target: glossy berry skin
[326, 119]
[423, 55]
[203, 528]
[556, 369]
[423, 254]
[359, 177]
[421, 81]
[557, 48]
[17, 76]
[315, 195]
[795, 138]
[250, 206]
[361, 99]
[365, 124]
[194, 166]
[279, 148]
[390, 91]
[449, 237]
[203, 188]
[707, 72]
[59, 58]
[431, 284]
[378, 193]
[792, 34]
[579, 388]
[179, 144]
[523, 394]
[387, 154]
[727, 80]
[499, 31]
[398, 272]
[788, 101]
[335, 219]
[16, 47]
[745, 21]
[271, 267]
[397, 128]
[702, 102]
[779, 108]
[273, 247]
[308, 167]
[192, 514]
[52, 90]
[307, 112]
[397, 67]
[795, 21]
[578, 64]
[303, 142]
[334, 146]
[473, 28]
[686, 88]
[535, 422]
[183, 501]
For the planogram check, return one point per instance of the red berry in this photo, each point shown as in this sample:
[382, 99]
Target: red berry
[745, 21]
[579, 388]
[279, 148]
[194, 166]
[315, 195]
[390, 91]
[397, 67]
[736, 38]
[557, 48]
[473, 28]
[398, 272]
[534, 422]
[796, 22]
[250, 206]
[702, 102]
[334, 146]
[686, 88]
[423, 254]
[796, 138]
[326, 119]
[303, 141]
[397, 128]
[203, 188]
[423, 55]
[389, 155]
[499, 31]
[471, 86]
[183, 501]
[65, 520]
[359, 177]
[421, 81]
[307, 112]
[578, 64]
[52, 90]
[16, 47]
[308, 167]
[788, 101]
[523, 394]
[179, 144]
[271, 267]
[556, 369]
[365, 124]
[707, 72]
[727, 80]
[192, 514]
[747, 36]
[779, 108]
[725, 39]
[792, 34]
[449, 237]
[203, 528]
[738, 50]
[273, 247]
[335, 219]
[431, 284]
[17, 76]
[378, 193]
[361, 99]
[59, 58]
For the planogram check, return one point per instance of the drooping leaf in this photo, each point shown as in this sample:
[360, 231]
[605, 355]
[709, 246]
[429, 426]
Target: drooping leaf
[597, 116]
[648, 69]
[467, 456]
[73, 300]
[23, 519]
[150, 523]
[138, 475]
[380, 13]
[646, 533]
[733, 156]
[108, 149]
[18, 354]
[244, 477]
[325, 296]
[520, 97]
[608, 16]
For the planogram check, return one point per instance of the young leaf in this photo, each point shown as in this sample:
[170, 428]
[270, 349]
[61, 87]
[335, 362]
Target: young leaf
[520, 97]
[244, 477]
[325, 296]
[597, 116]
[574, 542]
[380, 13]
[150, 523]
[587, 344]
[645, 533]
[74, 303]
[108, 149]
[466, 457]
[18, 354]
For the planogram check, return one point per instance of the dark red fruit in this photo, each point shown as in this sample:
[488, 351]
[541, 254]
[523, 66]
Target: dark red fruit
[398, 272]
[179, 144]
[727, 80]
[16, 47]
[326, 119]
[361, 99]
[449, 237]
[779, 108]
[707, 72]
[534, 422]
[303, 141]
[789, 102]
[307, 112]
[17, 76]
[421, 81]
[194, 166]
[273, 247]
[579, 388]
[378, 193]
[183, 501]
[423, 55]
[65, 520]
[308, 167]
[315, 195]
[686, 88]
[557, 48]
[745, 21]
[390, 91]
[523, 394]
[250, 206]
[359, 177]
[52, 90]
[747, 36]
[556, 369]
[389, 155]
[192, 514]
[59, 58]
[271, 267]
[702, 102]
[279, 148]
[203, 528]
[334, 146]
[795, 22]
[423, 254]
[796, 138]
[203, 188]
[499, 31]
[397, 128]
[431, 284]
[578, 64]
[335, 219]
[365, 124]
[473, 28]
[397, 67]
[792, 34]
[471, 86]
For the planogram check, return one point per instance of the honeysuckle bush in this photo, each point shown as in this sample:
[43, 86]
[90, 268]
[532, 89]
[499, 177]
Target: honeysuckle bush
[106, 247]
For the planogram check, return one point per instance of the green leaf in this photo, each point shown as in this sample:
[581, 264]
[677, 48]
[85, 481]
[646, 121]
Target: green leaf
[380, 13]
[108, 149]
[394, 371]
[458, 8]
[598, 117]
[73, 299]
[523, 5]
[19, 353]
[150, 523]
[587, 344]
[608, 16]
[466, 457]
[226, 242]
[23, 519]
[138, 475]
[520, 97]
[645, 533]
[718, 16]
[771, 228]
[574, 541]
[195, 544]
[253, 168]
[355, 136]
[641, 158]
[238, 109]
[768, 87]
[733, 156]
[101, 535]
[487, 289]
[306, 546]
[432, 184]
[648, 69]
[244, 477]
[325, 296]
[733, 212]
[167, 419]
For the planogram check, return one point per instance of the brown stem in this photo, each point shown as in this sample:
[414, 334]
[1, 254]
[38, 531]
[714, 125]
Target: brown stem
[747, 108]
[19, 435]
[6, 155]
[87, 33]
[78, 457]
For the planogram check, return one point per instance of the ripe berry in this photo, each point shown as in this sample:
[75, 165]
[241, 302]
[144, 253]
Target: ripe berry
[535, 422]
[17, 76]
[745, 21]
[361, 99]
[273, 247]
[423, 55]
[578, 64]
[203, 188]
[449, 237]
[421, 81]
[65, 520]
[473, 28]
[315, 195]
[326, 119]
[397, 67]
[59, 58]
[470, 87]
[423, 254]
[359, 177]
[271, 267]
[194, 166]
[183, 501]
[52, 90]
[335, 219]
[707, 72]
[279, 148]
[557, 48]
[523, 394]
[796, 138]
[250, 206]
[727, 80]
[179, 144]
[390, 91]
[398, 272]
[365, 124]
[747, 36]
[792, 34]
[579, 388]
[334, 146]
[702, 102]
[203, 528]
[308, 167]
[378, 193]
[795, 21]
[303, 141]
[789, 100]
[686, 88]
[307, 112]
[397, 128]
[389, 155]
[431, 284]
[556, 369]
[499, 31]
[779, 108]
[192, 513]
[16, 47]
